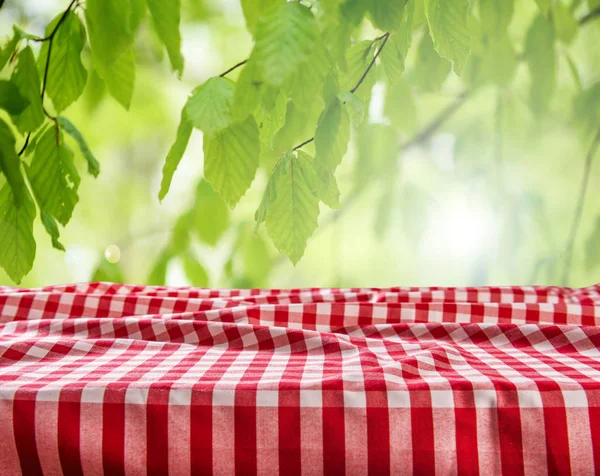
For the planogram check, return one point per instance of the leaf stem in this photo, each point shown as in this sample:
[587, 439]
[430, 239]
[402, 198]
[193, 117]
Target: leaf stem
[235, 66]
[579, 207]
[383, 37]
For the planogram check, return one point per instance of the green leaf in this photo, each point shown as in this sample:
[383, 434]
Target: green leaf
[66, 74]
[166, 16]
[541, 60]
[10, 164]
[11, 99]
[194, 271]
[392, 62]
[184, 131]
[120, 78]
[431, 69]
[327, 189]
[17, 245]
[495, 15]
[69, 128]
[158, 273]
[8, 49]
[292, 217]
[449, 31]
[26, 77]
[107, 272]
[307, 83]
[52, 230]
[247, 92]
[270, 193]
[358, 58]
[110, 30]
[284, 39]
[354, 107]
[231, 158]
[592, 248]
[269, 123]
[256, 259]
[209, 106]
[400, 107]
[211, 214]
[254, 9]
[387, 15]
[565, 24]
[53, 177]
[332, 136]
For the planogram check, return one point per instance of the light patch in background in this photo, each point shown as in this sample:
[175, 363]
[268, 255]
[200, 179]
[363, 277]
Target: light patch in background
[461, 228]
[376, 106]
[112, 254]
[81, 261]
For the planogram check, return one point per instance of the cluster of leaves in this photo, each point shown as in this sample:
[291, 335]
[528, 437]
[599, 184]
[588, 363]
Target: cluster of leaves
[40, 176]
[289, 114]
[308, 81]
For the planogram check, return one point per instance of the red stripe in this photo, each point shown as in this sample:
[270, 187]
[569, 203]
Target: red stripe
[557, 440]
[113, 435]
[201, 433]
[157, 438]
[290, 456]
[69, 417]
[334, 441]
[511, 441]
[245, 439]
[423, 445]
[466, 440]
[378, 438]
[595, 430]
[24, 428]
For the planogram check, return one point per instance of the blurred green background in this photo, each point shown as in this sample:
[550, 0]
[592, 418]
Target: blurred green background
[464, 208]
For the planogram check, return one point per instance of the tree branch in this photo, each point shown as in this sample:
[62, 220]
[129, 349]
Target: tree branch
[579, 208]
[383, 37]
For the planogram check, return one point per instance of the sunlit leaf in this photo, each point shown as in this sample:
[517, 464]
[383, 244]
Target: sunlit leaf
[254, 9]
[209, 106]
[270, 193]
[66, 73]
[386, 15]
[110, 30]
[565, 24]
[284, 39]
[184, 131]
[53, 177]
[68, 127]
[120, 78]
[7, 50]
[292, 216]
[231, 158]
[52, 229]
[495, 15]
[326, 187]
[10, 164]
[27, 80]
[166, 16]
[448, 27]
[17, 245]
[332, 136]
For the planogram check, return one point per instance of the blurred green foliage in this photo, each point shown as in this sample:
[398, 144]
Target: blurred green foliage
[379, 142]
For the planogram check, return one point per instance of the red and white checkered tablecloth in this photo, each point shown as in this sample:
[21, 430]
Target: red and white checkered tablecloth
[113, 379]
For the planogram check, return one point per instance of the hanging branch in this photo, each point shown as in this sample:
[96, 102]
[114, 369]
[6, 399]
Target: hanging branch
[579, 208]
[49, 39]
[590, 16]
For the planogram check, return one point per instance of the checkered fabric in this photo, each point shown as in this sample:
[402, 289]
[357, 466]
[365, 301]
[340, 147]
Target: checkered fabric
[117, 379]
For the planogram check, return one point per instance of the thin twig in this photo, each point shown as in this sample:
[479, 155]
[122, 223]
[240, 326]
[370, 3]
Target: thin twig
[24, 145]
[60, 21]
[383, 37]
[362, 78]
[579, 208]
[235, 66]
